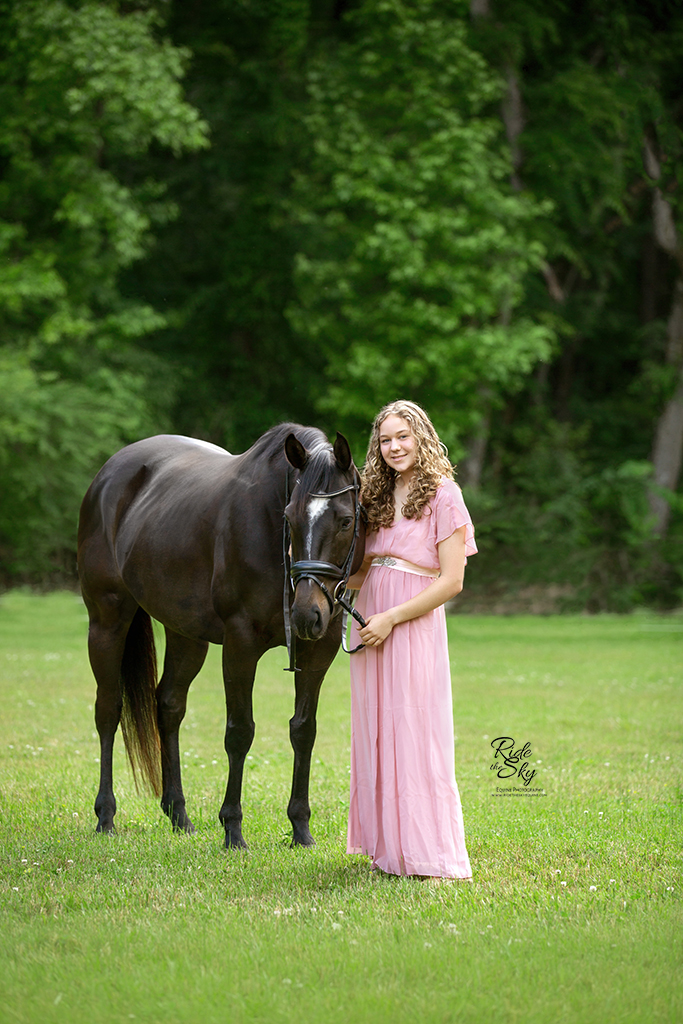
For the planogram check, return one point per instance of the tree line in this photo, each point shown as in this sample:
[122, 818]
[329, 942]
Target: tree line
[217, 215]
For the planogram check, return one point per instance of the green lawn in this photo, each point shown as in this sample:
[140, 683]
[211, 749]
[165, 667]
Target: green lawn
[574, 915]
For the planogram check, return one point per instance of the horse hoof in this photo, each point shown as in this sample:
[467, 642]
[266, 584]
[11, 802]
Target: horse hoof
[234, 842]
[186, 827]
[303, 841]
[105, 829]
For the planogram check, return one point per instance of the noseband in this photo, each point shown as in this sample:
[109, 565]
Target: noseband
[312, 570]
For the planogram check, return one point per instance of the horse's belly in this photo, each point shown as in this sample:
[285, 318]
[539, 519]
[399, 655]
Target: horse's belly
[173, 585]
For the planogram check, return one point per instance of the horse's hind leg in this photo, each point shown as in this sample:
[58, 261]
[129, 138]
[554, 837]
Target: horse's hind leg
[182, 662]
[110, 619]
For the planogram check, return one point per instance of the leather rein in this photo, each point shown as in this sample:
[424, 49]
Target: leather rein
[313, 570]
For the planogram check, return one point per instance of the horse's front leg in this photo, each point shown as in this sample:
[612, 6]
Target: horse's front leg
[314, 661]
[239, 669]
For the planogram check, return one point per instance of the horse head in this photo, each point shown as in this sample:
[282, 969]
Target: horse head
[327, 530]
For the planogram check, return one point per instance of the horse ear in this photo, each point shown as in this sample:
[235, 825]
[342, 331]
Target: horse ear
[342, 452]
[297, 455]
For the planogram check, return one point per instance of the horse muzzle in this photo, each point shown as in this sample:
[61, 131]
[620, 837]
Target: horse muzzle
[311, 612]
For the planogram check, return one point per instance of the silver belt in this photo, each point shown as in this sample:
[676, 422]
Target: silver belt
[404, 566]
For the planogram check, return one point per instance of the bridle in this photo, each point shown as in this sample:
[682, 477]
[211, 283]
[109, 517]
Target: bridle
[308, 569]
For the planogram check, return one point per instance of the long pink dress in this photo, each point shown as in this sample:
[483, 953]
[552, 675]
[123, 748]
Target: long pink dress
[405, 807]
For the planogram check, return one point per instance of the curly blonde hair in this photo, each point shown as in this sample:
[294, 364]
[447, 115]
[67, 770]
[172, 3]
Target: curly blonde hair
[431, 465]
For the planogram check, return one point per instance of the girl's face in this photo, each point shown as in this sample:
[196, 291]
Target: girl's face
[398, 445]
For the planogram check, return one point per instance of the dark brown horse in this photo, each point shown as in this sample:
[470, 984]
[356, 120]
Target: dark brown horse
[192, 536]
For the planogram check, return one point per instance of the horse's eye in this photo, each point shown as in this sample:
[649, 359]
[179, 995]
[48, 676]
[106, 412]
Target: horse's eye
[346, 524]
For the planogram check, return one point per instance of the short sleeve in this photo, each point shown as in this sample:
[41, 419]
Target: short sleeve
[451, 513]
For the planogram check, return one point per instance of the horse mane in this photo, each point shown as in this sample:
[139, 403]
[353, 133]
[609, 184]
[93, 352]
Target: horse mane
[321, 468]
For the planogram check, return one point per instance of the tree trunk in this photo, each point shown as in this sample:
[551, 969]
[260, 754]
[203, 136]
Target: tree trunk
[513, 119]
[471, 467]
[667, 448]
[649, 280]
[512, 114]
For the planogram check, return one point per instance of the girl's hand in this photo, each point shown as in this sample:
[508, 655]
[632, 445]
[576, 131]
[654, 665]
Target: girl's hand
[377, 629]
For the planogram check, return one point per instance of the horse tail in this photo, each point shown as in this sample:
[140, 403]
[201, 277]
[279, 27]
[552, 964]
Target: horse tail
[139, 712]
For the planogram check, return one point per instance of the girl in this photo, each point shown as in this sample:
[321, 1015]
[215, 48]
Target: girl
[405, 808]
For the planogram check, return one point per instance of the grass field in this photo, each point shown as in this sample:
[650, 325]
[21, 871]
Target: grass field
[574, 916]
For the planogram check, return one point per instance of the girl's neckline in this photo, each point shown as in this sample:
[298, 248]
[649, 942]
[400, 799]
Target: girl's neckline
[402, 519]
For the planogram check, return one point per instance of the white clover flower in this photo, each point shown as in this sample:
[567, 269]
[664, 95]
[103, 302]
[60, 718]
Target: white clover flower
[593, 888]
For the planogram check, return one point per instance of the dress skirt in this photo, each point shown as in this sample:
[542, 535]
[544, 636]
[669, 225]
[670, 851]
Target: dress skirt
[405, 808]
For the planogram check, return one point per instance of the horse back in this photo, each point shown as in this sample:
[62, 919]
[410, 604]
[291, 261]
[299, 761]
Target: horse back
[171, 520]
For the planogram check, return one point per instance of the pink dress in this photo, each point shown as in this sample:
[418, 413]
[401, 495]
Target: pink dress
[405, 807]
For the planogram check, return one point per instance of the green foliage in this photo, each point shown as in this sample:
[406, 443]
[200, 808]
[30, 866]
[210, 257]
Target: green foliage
[560, 519]
[351, 235]
[592, 87]
[224, 268]
[54, 435]
[413, 247]
[85, 91]
[82, 90]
